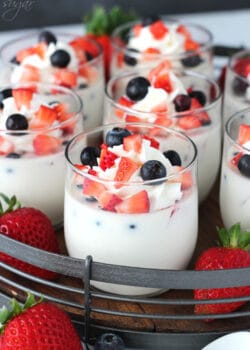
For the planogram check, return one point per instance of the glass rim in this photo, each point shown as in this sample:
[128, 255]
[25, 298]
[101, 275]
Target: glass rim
[130, 183]
[203, 46]
[67, 91]
[35, 33]
[190, 73]
[232, 60]
[228, 124]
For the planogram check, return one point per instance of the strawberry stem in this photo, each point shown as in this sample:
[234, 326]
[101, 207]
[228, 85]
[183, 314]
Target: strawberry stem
[234, 237]
[12, 204]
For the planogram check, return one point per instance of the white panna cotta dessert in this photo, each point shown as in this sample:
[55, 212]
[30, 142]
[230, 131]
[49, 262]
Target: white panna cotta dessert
[235, 172]
[36, 122]
[187, 102]
[61, 59]
[159, 39]
[128, 198]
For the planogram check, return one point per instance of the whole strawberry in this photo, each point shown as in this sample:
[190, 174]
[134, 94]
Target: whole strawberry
[37, 326]
[232, 254]
[29, 226]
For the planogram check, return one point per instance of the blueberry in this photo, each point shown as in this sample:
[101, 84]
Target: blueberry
[191, 61]
[150, 20]
[1, 105]
[89, 56]
[47, 37]
[153, 169]
[239, 86]
[109, 341]
[13, 155]
[5, 94]
[14, 60]
[115, 136]
[130, 60]
[199, 95]
[173, 157]
[60, 58]
[137, 88]
[182, 103]
[83, 86]
[16, 122]
[244, 165]
[89, 156]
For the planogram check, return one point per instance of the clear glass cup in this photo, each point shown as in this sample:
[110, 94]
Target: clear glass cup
[237, 84]
[86, 78]
[142, 238]
[199, 59]
[235, 173]
[209, 153]
[32, 164]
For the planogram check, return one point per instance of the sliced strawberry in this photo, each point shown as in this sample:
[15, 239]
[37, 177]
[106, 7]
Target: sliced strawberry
[153, 142]
[85, 44]
[65, 77]
[126, 169]
[191, 45]
[137, 29]
[244, 134]
[152, 51]
[132, 119]
[119, 59]
[132, 143]
[189, 122]
[30, 73]
[22, 96]
[79, 52]
[163, 120]
[163, 67]
[203, 116]
[88, 72]
[44, 117]
[185, 178]
[46, 144]
[108, 201]
[107, 158]
[38, 49]
[136, 204]
[184, 31]
[6, 146]
[158, 29]
[124, 101]
[93, 188]
[236, 158]
[242, 66]
[163, 81]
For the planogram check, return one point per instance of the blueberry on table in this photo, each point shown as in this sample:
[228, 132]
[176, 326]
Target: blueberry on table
[115, 136]
[150, 20]
[191, 61]
[173, 157]
[199, 95]
[130, 60]
[244, 165]
[239, 86]
[137, 88]
[89, 155]
[60, 58]
[182, 103]
[5, 94]
[109, 341]
[153, 169]
[17, 122]
[47, 37]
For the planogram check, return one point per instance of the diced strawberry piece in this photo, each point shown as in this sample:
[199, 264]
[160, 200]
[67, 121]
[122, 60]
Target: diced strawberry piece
[185, 178]
[137, 29]
[126, 169]
[6, 146]
[242, 66]
[85, 44]
[152, 51]
[244, 134]
[153, 142]
[132, 119]
[163, 82]
[191, 45]
[30, 74]
[203, 116]
[124, 101]
[163, 120]
[88, 72]
[119, 59]
[189, 122]
[44, 117]
[132, 143]
[65, 77]
[79, 52]
[136, 204]
[163, 67]
[22, 96]
[158, 29]
[184, 31]
[46, 144]
[38, 49]
[236, 158]
[93, 188]
[107, 158]
[108, 201]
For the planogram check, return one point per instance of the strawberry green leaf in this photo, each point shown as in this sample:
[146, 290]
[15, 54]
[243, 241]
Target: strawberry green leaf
[12, 204]
[234, 237]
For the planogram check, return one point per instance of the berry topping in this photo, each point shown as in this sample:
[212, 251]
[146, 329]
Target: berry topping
[108, 201]
[17, 122]
[239, 86]
[109, 341]
[153, 169]
[191, 61]
[244, 134]
[115, 136]
[107, 158]
[89, 156]
[147, 21]
[137, 88]
[60, 58]
[47, 37]
[189, 122]
[199, 95]
[13, 155]
[132, 143]
[130, 60]
[6, 146]
[244, 165]
[93, 188]
[158, 30]
[163, 81]
[173, 157]
[65, 77]
[23, 97]
[5, 94]
[182, 103]
[44, 117]
[126, 169]
[45, 144]
[136, 204]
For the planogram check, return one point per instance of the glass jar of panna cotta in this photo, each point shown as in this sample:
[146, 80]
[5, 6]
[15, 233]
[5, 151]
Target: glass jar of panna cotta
[64, 59]
[235, 171]
[188, 102]
[130, 190]
[36, 122]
